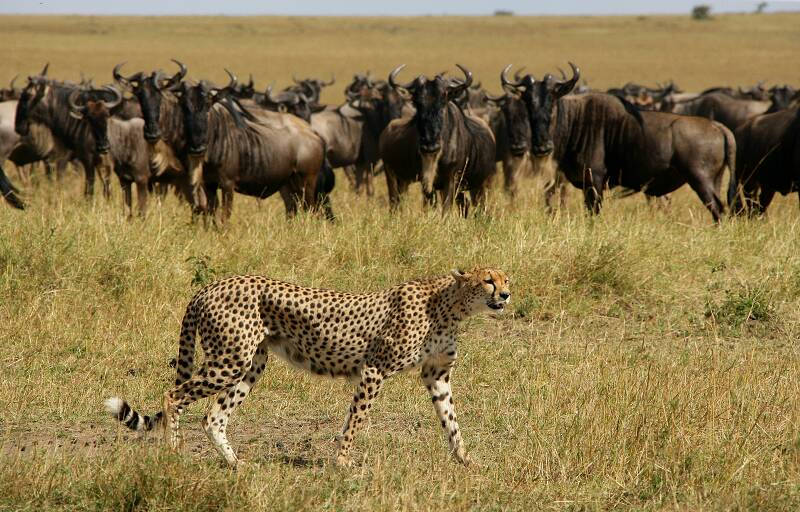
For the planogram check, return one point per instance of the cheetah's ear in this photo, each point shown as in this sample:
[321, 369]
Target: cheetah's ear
[460, 275]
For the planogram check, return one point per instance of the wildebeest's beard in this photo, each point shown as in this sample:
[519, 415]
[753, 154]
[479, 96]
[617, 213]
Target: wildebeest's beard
[149, 97]
[540, 102]
[98, 123]
[194, 104]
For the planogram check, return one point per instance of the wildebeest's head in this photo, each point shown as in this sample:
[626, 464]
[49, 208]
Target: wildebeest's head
[311, 87]
[781, 97]
[11, 92]
[430, 97]
[96, 106]
[195, 101]
[148, 89]
[292, 102]
[31, 96]
[515, 115]
[245, 91]
[541, 98]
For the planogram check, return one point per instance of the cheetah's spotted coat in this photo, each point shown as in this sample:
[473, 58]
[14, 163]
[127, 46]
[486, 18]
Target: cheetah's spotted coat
[365, 338]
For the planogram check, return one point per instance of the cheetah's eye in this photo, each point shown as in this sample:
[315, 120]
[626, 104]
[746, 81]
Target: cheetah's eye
[488, 281]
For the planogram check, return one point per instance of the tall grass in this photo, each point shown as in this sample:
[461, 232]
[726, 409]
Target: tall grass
[649, 361]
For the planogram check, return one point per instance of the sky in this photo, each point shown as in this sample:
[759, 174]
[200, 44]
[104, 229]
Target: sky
[377, 7]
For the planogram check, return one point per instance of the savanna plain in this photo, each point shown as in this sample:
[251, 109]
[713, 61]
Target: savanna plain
[649, 360]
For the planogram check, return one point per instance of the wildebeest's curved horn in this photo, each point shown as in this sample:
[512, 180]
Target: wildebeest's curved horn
[455, 86]
[75, 109]
[517, 75]
[250, 83]
[44, 71]
[326, 84]
[563, 75]
[393, 75]
[508, 83]
[126, 81]
[476, 86]
[11, 83]
[563, 88]
[175, 79]
[234, 80]
[116, 94]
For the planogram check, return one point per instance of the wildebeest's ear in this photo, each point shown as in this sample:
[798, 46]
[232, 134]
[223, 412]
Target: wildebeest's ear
[317, 108]
[460, 275]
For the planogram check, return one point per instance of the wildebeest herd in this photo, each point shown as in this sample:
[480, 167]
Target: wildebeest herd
[160, 130]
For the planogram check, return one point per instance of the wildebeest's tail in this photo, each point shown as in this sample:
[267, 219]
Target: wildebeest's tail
[8, 190]
[730, 160]
[134, 420]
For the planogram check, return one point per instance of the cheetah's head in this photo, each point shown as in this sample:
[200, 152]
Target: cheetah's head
[486, 288]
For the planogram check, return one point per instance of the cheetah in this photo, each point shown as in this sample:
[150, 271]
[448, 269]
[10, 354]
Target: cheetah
[365, 338]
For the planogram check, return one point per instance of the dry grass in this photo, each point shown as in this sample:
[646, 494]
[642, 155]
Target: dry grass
[650, 361]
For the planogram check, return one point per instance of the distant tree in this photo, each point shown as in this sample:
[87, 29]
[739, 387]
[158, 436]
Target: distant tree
[503, 12]
[761, 7]
[701, 12]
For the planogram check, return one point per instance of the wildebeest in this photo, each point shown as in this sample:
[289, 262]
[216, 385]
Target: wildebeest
[601, 140]
[721, 107]
[256, 153]
[292, 102]
[164, 130]
[447, 150]
[768, 160]
[43, 119]
[512, 132]
[121, 142]
[311, 87]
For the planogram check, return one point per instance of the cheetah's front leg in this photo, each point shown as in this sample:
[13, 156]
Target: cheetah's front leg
[366, 391]
[437, 380]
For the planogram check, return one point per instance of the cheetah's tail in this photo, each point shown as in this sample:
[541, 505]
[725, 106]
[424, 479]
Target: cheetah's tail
[120, 409]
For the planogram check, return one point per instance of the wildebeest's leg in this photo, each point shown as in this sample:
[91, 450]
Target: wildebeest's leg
[127, 197]
[463, 204]
[211, 198]
[393, 188]
[366, 392]
[7, 189]
[765, 198]
[289, 197]
[88, 171]
[704, 188]
[141, 198]
[478, 197]
[105, 169]
[594, 180]
[363, 178]
[350, 173]
[227, 202]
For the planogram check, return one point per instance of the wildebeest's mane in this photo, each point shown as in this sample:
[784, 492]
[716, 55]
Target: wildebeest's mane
[74, 133]
[170, 122]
